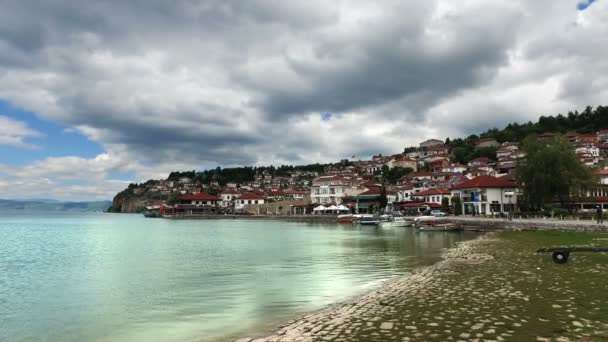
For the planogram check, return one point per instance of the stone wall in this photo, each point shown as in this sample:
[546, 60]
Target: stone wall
[531, 224]
[280, 208]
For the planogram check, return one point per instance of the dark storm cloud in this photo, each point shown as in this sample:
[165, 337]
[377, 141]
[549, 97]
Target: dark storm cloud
[239, 82]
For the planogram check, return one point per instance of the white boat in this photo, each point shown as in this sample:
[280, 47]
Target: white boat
[398, 221]
[433, 223]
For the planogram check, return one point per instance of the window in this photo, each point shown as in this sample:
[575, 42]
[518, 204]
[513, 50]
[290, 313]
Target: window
[249, 202]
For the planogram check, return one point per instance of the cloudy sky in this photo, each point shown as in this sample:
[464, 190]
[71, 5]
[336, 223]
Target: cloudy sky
[94, 95]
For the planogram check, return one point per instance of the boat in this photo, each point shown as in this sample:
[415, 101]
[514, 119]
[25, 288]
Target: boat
[433, 223]
[152, 214]
[397, 221]
[372, 220]
[346, 219]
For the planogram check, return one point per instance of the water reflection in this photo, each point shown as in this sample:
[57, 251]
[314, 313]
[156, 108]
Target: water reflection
[126, 278]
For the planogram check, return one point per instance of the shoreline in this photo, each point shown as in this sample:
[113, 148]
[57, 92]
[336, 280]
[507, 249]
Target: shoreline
[332, 316]
[492, 288]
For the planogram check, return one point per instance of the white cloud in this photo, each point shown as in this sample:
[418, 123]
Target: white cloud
[195, 84]
[15, 133]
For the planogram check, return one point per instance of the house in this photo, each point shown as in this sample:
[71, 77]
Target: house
[438, 164]
[506, 150]
[248, 198]
[331, 189]
[416, 208]
[454, 168]
[293, 194]
[228, 196]
[506, 165]
[486, 142]
[486, 195]
[404, 162]
[433, 195]
[436, 150]
[481, 161]
[200, 199]
[404, 193]
[430, 142]
[602, 135]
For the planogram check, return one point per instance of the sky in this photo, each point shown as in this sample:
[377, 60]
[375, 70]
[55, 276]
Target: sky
[95, 95]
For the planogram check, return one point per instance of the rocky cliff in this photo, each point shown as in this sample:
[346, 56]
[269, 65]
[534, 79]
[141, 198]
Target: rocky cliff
[124, 202]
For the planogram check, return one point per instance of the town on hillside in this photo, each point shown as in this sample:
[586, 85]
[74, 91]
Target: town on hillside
[422, 178]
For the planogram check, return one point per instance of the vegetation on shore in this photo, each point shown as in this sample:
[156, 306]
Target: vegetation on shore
[551, 171]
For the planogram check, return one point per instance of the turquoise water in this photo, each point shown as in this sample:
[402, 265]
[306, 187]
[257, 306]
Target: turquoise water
[112, 277]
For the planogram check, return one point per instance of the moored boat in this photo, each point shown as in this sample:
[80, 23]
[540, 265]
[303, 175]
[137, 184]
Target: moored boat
[346, 219]
[433, 223]
[397, 221]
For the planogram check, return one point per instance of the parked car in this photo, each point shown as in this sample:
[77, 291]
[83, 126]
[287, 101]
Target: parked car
[438, 213]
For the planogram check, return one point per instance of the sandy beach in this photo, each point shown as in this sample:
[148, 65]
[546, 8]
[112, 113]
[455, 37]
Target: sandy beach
[494, 288]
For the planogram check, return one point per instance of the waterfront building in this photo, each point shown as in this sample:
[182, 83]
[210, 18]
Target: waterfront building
[228, 196]
[248, 198]
[331, 189]
[486, 195]
[432, 195]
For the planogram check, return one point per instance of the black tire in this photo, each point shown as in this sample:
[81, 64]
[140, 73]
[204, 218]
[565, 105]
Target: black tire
[560, 257]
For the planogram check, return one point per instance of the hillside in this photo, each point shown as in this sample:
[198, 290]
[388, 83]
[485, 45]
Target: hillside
[461, 150]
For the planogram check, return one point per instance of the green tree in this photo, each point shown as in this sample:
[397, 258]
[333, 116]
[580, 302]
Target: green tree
[445, 205]
[392, 176]
[457, 206]
[174, 197]
[383, 200]
[550, 171]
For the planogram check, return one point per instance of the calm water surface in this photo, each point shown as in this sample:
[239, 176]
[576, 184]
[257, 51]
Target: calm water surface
[108, 277]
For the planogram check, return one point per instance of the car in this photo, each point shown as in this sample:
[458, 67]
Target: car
[438, 213]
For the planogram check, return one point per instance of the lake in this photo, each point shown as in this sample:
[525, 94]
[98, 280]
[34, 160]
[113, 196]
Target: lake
[113, 277]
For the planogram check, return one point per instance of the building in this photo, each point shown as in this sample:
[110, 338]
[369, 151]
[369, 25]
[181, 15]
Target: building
[486, 195]
[200, 199]
[404, 162]
[432, 195]
[454, 168]
[481, 161]
[486, 142]
[248, 198]
[294, 194]
[331, 189]
[228, 196]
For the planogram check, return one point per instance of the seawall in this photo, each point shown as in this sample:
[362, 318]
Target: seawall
[488, 224]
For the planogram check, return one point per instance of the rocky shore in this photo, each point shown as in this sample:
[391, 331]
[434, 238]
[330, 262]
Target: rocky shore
[494, 288]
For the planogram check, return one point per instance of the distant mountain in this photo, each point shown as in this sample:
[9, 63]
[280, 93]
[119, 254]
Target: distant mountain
[51, 205]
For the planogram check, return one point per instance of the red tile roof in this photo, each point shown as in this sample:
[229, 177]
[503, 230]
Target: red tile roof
[432, 192]
[602, 172]
[485, 182]
[251, 196]
[201, 196]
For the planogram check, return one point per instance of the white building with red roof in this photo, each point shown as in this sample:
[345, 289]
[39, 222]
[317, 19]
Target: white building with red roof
[200, 199]
[486, 195]
[228, 196]
[332, 189]
[248, 198]
[432, 195]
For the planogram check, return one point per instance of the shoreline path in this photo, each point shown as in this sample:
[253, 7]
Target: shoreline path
[488, 289]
